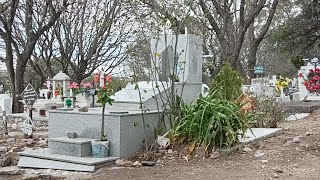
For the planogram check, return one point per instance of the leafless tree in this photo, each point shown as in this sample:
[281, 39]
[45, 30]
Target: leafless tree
[256, 35]
[21, 25]
[92, 34]
[229, 20]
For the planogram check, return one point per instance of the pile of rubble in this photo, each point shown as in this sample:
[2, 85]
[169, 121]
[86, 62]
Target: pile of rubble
[16, 141]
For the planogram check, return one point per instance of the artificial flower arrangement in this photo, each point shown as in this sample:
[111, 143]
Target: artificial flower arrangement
[104, 97]
[312, 80]
[75, 88]
[282, 83]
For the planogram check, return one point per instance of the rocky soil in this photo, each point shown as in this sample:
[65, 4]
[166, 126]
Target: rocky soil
[292, 155]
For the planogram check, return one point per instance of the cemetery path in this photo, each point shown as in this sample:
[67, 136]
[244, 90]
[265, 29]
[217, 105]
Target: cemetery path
[292, 155]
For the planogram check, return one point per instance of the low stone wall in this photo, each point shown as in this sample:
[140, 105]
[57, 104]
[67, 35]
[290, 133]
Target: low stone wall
[125, 131]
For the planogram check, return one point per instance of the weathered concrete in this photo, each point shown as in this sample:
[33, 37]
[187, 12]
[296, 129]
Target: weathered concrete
[124, 130]
[260, 134]
[31, 162]
[80, 147]
[45, 154]
[302, 107]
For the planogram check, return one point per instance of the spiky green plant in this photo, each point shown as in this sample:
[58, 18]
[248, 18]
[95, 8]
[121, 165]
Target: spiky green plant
[228, 82]
[212, 121]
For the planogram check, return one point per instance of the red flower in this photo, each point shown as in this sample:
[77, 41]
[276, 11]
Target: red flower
[300, 75]
[312, 81]
[86, 85]
[109, 78]
[306, 83]
[311, 70]
[73, 85]
[316, 78]
[308, 88]
[317, 70]
[318, 86]
[314, 88]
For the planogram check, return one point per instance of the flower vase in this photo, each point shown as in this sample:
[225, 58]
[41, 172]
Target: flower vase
[71, 93]
[281, 93]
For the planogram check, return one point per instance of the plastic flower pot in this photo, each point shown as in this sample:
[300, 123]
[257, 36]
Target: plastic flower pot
[100, 149]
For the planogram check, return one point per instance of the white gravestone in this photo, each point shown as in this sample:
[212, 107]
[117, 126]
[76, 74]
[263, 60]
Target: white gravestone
[27, 126]
[5, 103]
[102, 74]
[303, 92]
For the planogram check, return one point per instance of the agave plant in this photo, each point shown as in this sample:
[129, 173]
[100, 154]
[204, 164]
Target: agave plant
[211, 121]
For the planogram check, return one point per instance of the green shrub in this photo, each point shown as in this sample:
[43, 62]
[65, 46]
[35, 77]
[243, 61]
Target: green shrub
[212, 121]
[228, 82]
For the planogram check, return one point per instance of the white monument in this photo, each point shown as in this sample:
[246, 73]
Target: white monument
[60, 78]
[188, 71]
[189, 58]
[304, 94]
[102, 76]
[5, 103]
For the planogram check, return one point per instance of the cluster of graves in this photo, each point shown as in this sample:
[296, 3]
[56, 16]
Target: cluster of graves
[124, 121]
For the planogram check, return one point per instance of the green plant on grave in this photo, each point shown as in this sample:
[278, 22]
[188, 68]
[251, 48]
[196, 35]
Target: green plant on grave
[68, 102]
[268, 113]
[104, 98]
[212, 121]
[228, 82]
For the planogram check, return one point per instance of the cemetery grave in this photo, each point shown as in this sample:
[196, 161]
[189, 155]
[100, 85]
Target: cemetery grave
[123, 119]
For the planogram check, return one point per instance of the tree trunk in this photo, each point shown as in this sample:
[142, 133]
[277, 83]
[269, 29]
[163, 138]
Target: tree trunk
[10, 69]
[252, 60]
[102, 122]
[19, 85]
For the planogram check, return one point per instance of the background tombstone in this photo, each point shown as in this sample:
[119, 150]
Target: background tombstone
[5, 103]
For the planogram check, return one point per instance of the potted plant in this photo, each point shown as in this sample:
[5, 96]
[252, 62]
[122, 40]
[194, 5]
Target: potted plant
[100, 148]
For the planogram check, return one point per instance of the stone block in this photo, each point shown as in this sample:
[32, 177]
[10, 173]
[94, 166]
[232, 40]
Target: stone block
[80, 147]
[125, 130]
[302, 107]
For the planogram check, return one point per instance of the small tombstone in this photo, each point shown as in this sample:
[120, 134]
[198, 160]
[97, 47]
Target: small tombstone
[27, 126]
[29, 95]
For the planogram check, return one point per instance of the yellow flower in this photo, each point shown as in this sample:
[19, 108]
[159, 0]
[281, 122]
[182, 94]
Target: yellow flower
[288, 80]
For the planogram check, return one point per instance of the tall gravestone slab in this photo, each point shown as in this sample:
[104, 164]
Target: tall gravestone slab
[5, 103]
[303, 92]
[188, 53]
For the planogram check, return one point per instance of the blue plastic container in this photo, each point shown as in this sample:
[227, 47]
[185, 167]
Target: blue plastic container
[100, 148]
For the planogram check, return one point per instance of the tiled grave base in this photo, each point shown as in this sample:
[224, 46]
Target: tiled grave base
[42, 158]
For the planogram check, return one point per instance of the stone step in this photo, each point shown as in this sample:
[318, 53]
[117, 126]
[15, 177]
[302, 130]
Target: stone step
[43, 158]
[80, 147]
[32, 162]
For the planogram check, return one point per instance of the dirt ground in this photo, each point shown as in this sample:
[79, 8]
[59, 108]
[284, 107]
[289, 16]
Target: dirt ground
[281, 157]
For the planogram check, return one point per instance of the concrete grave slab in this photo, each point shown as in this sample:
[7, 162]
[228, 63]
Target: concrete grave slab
[45, 154]
[294, 117]
[260, 134]
[31, 162]
[302, 106]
